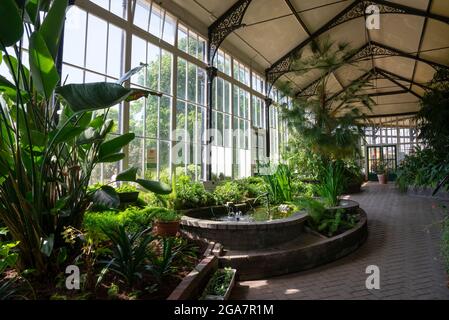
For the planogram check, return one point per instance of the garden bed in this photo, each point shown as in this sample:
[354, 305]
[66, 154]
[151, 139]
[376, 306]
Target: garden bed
[427, 192]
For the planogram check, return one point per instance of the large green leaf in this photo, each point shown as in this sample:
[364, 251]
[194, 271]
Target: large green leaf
[155, 186]
[129, 175]
[7, 87]
[13, 67]
[110, 158]
[51, 28]
[43, 69]
[11, 26]
[98, 95]
[106, 196]
[66, 133]
[115, 145]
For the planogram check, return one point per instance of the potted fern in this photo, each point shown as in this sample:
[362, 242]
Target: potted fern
[167, 222]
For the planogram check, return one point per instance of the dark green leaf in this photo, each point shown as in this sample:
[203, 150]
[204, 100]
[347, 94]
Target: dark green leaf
[155, 186]
[115, 145]
[127, 175]
[65, 134]
[43, 69]
[47, 245]
[95, 96]
[112, 158]
[11, 26]
[106, 196]
[51, 28]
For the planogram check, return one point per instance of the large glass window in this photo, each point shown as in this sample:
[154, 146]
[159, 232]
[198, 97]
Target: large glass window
[95, 49]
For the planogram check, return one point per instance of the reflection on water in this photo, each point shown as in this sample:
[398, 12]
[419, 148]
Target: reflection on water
[259, 214]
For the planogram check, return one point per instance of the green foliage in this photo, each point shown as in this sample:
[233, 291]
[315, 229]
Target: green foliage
[130, 254]
[429, 165]
[253, 186]
[423, 168]
[322, 220]
[328, 123]
[166, 215]
[332, 184]
[132, 219]
[190, 194]
[229, 191]
[50, 140]
[125, 188]
[163, 265]
[219, 283]
[8, 257]
[279, 185]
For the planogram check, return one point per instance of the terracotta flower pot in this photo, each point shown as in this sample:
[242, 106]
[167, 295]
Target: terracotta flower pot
[382, 178]
[167, 228]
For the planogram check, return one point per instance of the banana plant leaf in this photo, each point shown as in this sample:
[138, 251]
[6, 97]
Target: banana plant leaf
[97, 95]
[11, 26]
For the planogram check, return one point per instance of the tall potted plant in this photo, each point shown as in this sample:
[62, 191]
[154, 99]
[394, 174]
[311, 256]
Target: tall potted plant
[381, 170]
[51, 136]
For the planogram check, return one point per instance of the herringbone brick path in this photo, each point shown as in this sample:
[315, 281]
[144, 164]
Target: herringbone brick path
[403, 241]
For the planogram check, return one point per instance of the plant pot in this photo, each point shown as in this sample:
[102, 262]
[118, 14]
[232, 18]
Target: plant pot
[382, 178]
[167, 228]
[228, 290]
[128, 197]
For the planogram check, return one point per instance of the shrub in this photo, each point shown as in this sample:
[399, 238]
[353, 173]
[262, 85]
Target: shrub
[190, 194]
[131, 219]
[166, 215]
[230, 191]
[124, 188]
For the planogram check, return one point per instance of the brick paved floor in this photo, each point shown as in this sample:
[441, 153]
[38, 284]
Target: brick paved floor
[403, 241]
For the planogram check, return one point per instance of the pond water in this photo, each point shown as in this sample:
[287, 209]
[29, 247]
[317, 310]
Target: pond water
[258, 214]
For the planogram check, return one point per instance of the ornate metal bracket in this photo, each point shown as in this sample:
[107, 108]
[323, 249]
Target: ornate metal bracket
[225, 25]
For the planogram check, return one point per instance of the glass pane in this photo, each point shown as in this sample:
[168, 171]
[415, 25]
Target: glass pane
[74, 37]
[166, 72]
[153, 67]
[181, 83]
[115, 51]
[201, 86]
[193, 43]
[96, 44]
[156, 20]
[141, 16]
[136, 114]
[136, 149]
[182, 38]
[169, 29]
[164, 118]
[151, 117]
[118, 7]
[191, 83]
[139, 52]
[151, 159]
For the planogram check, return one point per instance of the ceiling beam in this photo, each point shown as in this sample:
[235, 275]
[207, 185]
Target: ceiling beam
[355, 10]
[377, 49]
[409, 89]
[392, 115]
[227, 23]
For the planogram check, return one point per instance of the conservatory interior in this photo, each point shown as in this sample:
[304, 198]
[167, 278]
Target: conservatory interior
[224, 149]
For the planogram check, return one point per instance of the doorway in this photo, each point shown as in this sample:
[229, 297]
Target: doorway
[387, 154]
